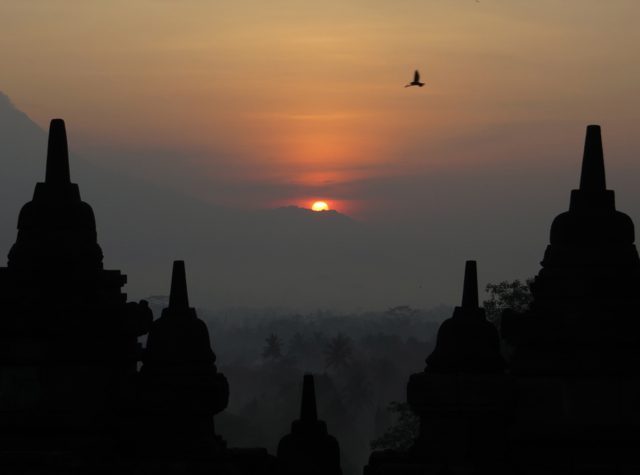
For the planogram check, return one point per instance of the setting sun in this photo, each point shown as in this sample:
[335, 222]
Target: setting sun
[319, 206]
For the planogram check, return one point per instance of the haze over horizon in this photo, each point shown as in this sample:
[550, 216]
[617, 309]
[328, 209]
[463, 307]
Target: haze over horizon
[226, 108]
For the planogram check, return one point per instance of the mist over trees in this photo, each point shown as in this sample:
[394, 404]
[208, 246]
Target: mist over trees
[399, 435]
[361, 363]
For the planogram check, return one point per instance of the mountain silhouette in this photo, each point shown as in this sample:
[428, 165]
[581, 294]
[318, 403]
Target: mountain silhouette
[301, 259]
[285, 256]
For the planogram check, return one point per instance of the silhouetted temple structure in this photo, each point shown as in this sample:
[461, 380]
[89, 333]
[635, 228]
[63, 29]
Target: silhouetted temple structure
[72, 400]
[467, 342]
[68, 339]
[577, 359]
[309, 449]
[569, 401]
[180, 388]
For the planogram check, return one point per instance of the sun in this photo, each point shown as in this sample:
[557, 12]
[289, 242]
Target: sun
[319, 206]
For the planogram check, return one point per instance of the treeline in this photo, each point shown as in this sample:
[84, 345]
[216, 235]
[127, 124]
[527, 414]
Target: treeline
[361, 362]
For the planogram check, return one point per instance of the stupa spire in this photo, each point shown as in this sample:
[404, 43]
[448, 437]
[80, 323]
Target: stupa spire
[178, 298]
[467, 342]
[308, 448]
[592, 177]
[308, 409]
[57, 154]
[470, 288]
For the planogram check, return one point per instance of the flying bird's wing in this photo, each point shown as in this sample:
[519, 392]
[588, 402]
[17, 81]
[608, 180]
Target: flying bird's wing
[416, 76]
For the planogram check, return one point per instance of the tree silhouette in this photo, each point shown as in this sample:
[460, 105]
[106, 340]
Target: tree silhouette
[401, 311]
[339, 352]
[399, 436]
[514, 295]
[158, 300]
[157, 303]
[272, 350]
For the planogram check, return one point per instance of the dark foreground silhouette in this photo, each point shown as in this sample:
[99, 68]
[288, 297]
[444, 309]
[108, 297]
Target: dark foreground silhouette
[568, 403]
[73, 401]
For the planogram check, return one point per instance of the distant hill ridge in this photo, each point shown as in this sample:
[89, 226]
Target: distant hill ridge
[297, 258]
[306, 215]
[234, 257]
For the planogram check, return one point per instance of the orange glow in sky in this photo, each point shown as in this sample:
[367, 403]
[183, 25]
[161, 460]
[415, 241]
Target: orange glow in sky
[290, 98]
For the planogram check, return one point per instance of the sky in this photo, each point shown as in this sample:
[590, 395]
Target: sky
[254, 104]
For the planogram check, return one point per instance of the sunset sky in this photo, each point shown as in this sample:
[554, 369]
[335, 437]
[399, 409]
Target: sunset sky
[255, 104]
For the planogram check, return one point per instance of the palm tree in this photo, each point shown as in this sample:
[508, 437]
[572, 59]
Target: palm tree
[339, 352]
[272, 350]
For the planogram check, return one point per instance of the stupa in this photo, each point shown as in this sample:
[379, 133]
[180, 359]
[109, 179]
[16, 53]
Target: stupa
[463, 398]
[577, 357]
[180, 388]
[309, 449]
[66, 331]
[467, 342]
[568, 402]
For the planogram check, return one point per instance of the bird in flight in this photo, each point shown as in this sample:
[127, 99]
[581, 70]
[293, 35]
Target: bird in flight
[416, 80]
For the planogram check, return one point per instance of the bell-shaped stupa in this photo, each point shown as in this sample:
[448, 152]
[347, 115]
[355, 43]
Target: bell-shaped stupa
[592, 233]
[56, 230]
[180, 388]
[65, 326]
[178, 337]
[309, 449]
[583, 317]
[55, 273]
[467, 342]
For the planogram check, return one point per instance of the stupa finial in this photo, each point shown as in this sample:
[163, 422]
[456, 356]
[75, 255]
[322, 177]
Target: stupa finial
[178, 298]
[592, 177]
[308, 409]
[57, 154]
[470, 288]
